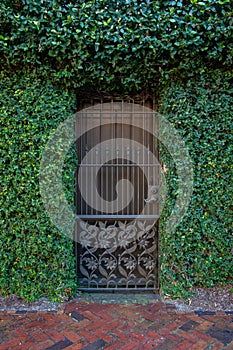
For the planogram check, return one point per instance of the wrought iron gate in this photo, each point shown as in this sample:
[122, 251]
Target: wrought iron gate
[117, 188]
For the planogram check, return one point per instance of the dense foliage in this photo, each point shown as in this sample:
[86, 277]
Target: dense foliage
[199, 252]
[35, 258]
[119, 45]
[48, 49]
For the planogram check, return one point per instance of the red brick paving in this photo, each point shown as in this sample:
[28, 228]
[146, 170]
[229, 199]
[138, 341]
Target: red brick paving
[91, 326]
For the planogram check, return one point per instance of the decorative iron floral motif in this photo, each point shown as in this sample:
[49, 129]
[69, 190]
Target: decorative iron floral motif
[122, 254]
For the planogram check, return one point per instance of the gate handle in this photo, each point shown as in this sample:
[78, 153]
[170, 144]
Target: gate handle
[152, 194]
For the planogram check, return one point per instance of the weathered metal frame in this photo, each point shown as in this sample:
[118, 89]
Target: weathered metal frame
[116, 217]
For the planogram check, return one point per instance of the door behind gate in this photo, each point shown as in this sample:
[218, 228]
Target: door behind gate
[117, 196]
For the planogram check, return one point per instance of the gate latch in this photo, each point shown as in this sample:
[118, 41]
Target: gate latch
[152, 194]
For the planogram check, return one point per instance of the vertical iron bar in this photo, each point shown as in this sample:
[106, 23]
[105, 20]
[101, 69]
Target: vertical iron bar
[92, 160]
[148, 170]
[81, 160]
[102, 158]
[91, 175]
[96, 180]
[154, 150]
[134, 202]
[122, 151]
[112, 156]
[128, 179]
[86, 177]
[128, 162]
[143, 150]
[153, 180]
[138, 184]
[106, 173]
[117, 153]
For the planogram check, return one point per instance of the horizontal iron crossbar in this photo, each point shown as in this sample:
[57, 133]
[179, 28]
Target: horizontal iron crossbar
[100, 217]
[109, 289]
[111, 111]
[114, 165]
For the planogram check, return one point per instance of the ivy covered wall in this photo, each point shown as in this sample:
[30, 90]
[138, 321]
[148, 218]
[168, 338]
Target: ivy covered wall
[114, 44]
[36, 259]
[199, 252]
[183, 51]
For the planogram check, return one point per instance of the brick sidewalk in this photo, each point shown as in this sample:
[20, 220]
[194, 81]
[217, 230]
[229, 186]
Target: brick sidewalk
[90, 326]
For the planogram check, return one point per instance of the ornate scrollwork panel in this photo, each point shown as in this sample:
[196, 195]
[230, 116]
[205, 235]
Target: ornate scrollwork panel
[119, 255]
